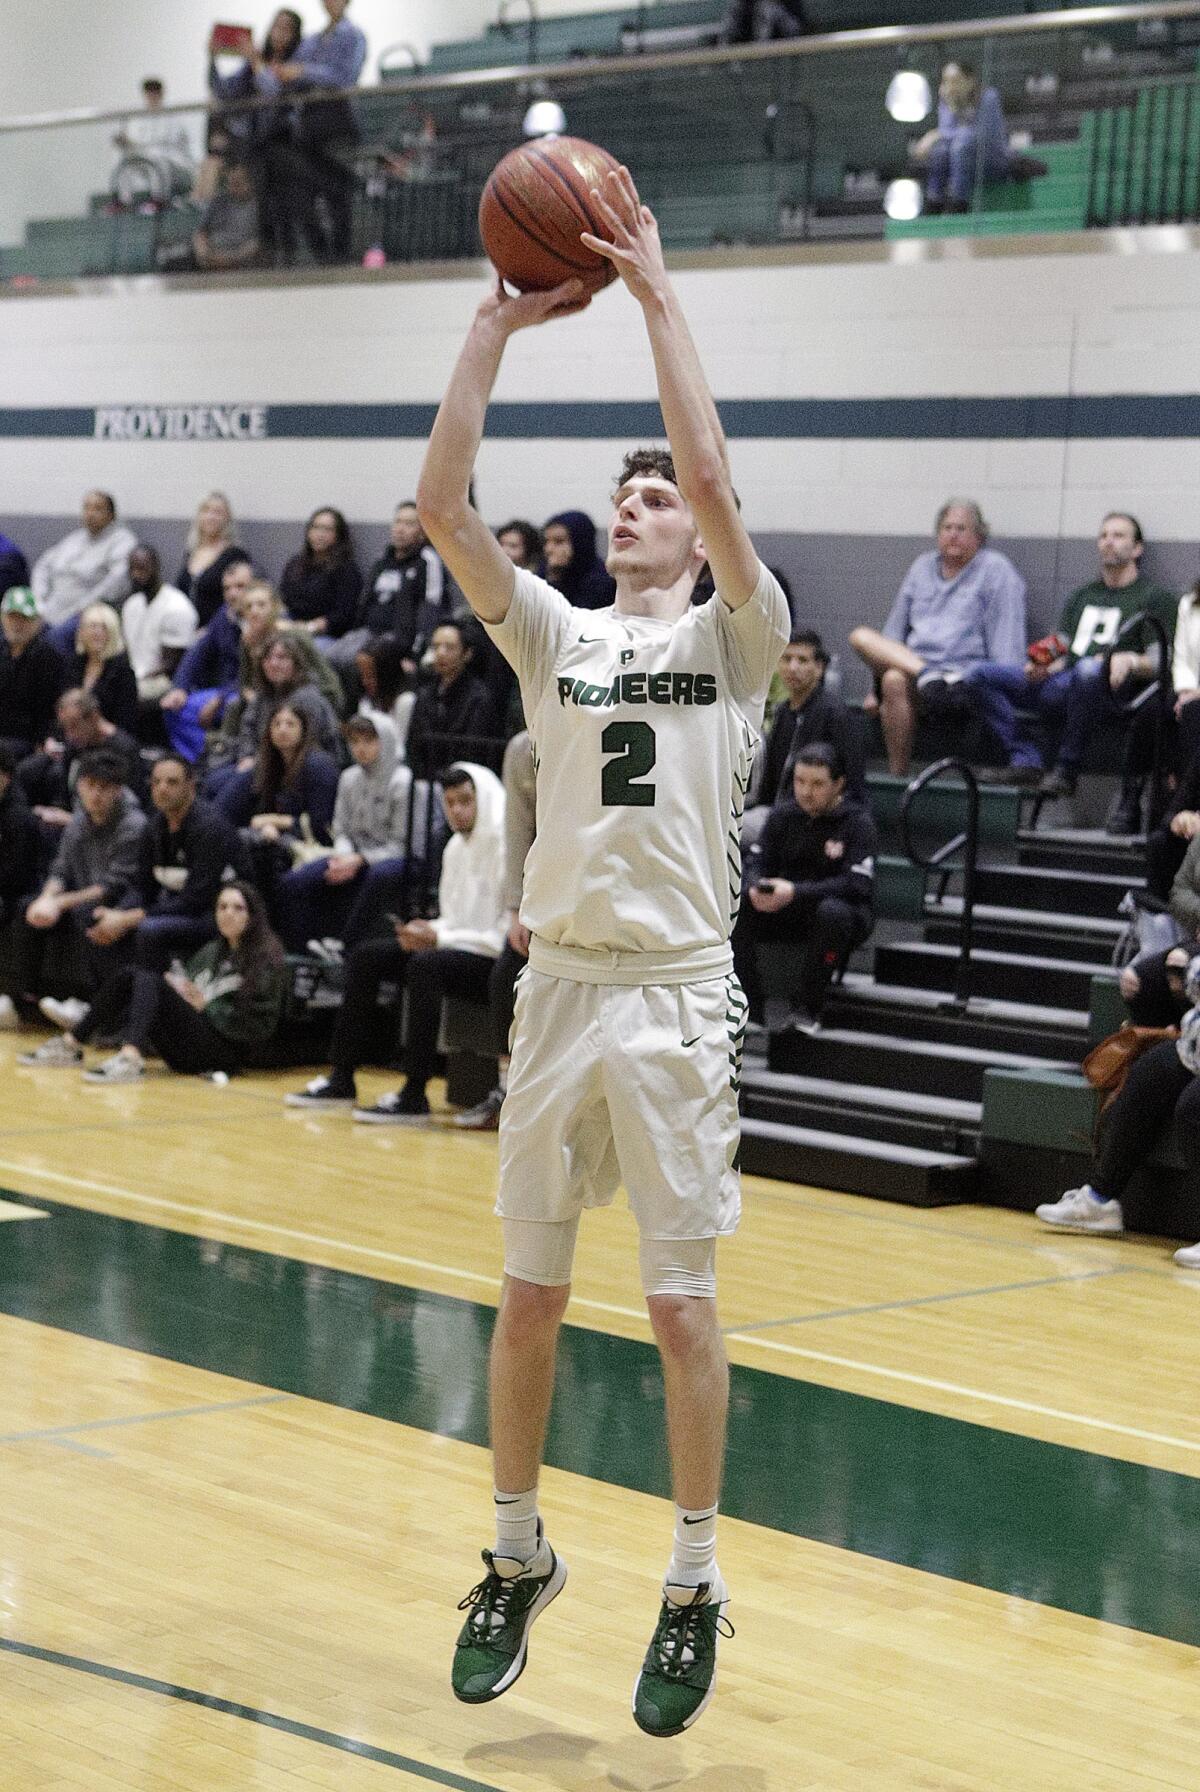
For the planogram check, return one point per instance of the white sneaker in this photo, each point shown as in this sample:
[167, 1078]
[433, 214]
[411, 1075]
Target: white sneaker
[320, 1093]
[1188, 1257]
[53, 1054]
[118, 1069]
[10, 1020]
[1077, 1211]
[66, 1015]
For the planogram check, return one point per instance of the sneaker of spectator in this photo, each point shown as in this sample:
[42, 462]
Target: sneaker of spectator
[485, 1115]
[53, 1054]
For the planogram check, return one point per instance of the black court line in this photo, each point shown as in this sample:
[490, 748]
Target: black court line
[269, 1720]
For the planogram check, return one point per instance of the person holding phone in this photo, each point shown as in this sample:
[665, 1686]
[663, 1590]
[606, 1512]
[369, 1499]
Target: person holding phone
[256, 132]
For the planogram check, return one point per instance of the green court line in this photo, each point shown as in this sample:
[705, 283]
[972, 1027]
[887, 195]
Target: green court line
[269, 1720]
[1063, 1527]
[927, 1300]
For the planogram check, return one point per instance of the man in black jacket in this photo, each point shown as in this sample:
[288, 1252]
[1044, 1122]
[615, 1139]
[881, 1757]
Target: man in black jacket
[812, 883]
[31, 673]
[454, 718]
[187, 853]
[19, 843]
[808, 713]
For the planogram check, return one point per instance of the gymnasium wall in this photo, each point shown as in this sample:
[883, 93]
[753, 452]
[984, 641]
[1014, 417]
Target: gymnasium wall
[859, 391]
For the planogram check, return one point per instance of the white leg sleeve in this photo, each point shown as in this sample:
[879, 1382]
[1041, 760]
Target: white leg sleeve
[679, 1266]
[540, 1251]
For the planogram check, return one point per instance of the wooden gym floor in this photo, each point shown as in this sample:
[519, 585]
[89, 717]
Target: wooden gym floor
[244, 1483]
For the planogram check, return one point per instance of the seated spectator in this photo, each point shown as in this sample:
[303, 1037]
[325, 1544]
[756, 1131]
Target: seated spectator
[959, 605]
[14, 568]
[812, 883]
[968, 145]
[571, 563]
[1167, 844]
[334, 901]
[289, 670]
[321, 584]
[808, 713]
[522, 543]
[454, 715]
[314, 183]
[1153, 985]
[292, 790]
[211, 550]
[157, 161]
[187, 853]
[227, 236]
[80, 727]
[206, 678]
[402, 602]
[212, 1016]
[450, 956]
[31, 673]
[19, 844]
[1169, 833]
[254, 132]
[89, 566]
[1161, 1090]
[159, 625]
[260, 616]
[762, 21]
[1070, 690]
[100, 666]
[95, 866]
[519, 828]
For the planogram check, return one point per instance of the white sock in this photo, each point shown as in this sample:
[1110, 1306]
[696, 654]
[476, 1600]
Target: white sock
[516, 1524]
[694, 1556]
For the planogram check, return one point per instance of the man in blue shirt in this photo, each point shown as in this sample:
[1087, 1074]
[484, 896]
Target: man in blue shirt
[960, 605]
[309, 168]
[969, 143]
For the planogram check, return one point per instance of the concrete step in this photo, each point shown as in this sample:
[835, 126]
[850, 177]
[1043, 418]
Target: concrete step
[1016, 977]
[1045, 889]
[859, 1003]
[822, 1159]
[899, 1062]
[863, 1110]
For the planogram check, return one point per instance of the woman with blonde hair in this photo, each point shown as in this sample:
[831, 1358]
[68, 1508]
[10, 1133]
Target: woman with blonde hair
[100, 665]
[211, 547]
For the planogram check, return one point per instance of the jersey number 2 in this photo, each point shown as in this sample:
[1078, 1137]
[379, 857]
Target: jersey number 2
[635, 743]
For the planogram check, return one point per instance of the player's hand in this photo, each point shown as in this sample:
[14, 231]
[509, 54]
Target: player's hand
[518, 934]
[521, 311]
[633, 244]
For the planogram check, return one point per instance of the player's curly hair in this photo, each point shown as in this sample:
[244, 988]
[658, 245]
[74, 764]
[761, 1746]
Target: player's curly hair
[646, 463]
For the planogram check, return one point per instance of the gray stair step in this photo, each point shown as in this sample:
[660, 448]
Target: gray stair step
[861, 1004]
[923, 1066]
[941, 1107]
[863, 1111]
[888, 1172]
[1013, 976]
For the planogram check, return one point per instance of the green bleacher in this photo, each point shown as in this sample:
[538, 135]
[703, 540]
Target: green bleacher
[1057, 200]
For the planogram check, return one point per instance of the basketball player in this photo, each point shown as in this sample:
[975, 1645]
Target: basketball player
[629, 1020]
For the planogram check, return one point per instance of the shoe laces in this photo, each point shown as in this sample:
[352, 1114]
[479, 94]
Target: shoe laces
[680, 1640]
[488, 1603]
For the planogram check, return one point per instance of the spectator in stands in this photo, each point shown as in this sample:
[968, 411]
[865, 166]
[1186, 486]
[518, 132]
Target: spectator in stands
[206, 678]
[453, 716]
[959, 605]
[100, 666]
[452, 955]
[812, 883]
[1070, 689]
[289, 670]
[159, 625]
[211, 1016]
[48, 777]
[157, 159]
[14, 568]
[89, 566]
[187, 853]
[1167, 841]
[571, 563]
[521, 542]
[1162, 1089]
[256, 133]
[19, 842]
[96, 865]
[31, 673]
[969, 143]
[402, 602]
[229, 234]
[519, 828]
[211, 550]
[761, 21]
[321, 584]
[808, 713]
[291, 793]
[332, 901]
[314, 183]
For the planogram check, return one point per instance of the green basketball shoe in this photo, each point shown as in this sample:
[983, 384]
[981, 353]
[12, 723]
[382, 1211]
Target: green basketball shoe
[679, 1673]
[492, 1645]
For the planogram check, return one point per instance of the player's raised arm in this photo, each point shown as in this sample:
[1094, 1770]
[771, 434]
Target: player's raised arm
[693, 426]
[456, 530]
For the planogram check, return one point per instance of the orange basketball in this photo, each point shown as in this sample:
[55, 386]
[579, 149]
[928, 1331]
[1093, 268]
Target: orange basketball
[536, 203]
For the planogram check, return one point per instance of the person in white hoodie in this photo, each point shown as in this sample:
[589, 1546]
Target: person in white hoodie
[450, 956]
[334, 900]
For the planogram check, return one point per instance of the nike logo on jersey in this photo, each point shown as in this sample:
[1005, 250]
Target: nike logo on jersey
[591, 640]
[686, 1042]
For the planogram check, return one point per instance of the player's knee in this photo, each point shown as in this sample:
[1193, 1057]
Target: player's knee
[681, 1322]
[531, 1308]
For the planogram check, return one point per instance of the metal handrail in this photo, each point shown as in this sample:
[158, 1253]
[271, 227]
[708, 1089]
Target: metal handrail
[968, 840]
[1161, 692]
[869, 38]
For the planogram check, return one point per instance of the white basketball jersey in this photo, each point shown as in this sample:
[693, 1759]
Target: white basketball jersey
[643, 736]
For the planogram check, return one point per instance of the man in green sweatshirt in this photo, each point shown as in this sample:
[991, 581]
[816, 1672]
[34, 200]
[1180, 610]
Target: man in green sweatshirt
[1069, 690]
